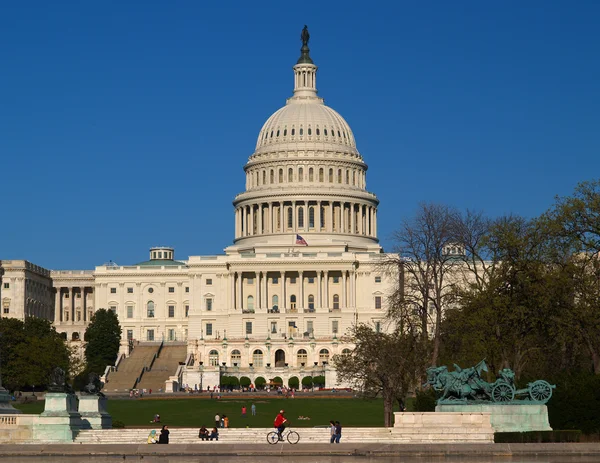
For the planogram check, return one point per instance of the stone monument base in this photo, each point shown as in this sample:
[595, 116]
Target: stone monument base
[442, 428]
[60, 421]
[507, 418]
[93, 412]
[6, 407]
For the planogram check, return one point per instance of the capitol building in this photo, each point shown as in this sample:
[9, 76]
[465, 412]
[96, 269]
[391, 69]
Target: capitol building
[304, 265]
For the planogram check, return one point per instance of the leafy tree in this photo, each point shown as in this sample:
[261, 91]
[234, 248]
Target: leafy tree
[319, 381]
[307, 382]
[245, 381]
[278, 381]
[294, 382]
[103, 337]
[387, 364]
[260, 382]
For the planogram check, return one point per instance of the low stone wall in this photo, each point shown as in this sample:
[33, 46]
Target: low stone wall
[506, 418]
[16, 428]
[443, 427]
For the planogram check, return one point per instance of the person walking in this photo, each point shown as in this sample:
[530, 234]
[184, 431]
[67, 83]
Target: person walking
[164, 435]
[332, 431]
[338, 432]
[243, 411]
[253, 408]
[225, 422]
[217, 421]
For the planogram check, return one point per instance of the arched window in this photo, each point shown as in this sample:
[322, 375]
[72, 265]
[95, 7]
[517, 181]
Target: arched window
[284, 132]
[257, 178]
[339, 175]
[293, 132]
[290, 175]
[301, 131]
[236, 358]
[213, 358]
[250, 303]
[330, 175]
[280, 175]
[354, 178]
[318, 133]
[347, 177]
[150, 309]
[311, 302]
[301, 358]
[272, 176]
[275, 303]
[264, 182]
[336, 301]
[300, 217]
[311, 217]
[324, 356]
[322, 216]
[293, 302]
[325, 131]
[309, 131]
[277, 132]
[290, 217]
[310, 175]
[346, 351]
[257, 358]
[321, 174]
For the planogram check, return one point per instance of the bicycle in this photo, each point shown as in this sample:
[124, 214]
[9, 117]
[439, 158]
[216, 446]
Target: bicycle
[291, 436]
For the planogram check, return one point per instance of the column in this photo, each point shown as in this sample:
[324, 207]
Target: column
[294, 216]
[342, 217]
[319, 300]
[238, 299]
[281, 217]
[260, 219]
[352, 289]
[263, 292]
[251, 227]
[237, 223]
[307, 215]
[282, 302]
[330, 224]
[57, 306]
[344, 291]
[370, 226]
[352, 219]
[232, 289]
[375, 222]
[270, 217]
[72, 299]
[83, 304]
[326, 288]
[257, 294]
[318, 217]
[301, 307]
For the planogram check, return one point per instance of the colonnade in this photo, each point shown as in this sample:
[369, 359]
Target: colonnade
[67, 309]
[311, 290]
[303, 216]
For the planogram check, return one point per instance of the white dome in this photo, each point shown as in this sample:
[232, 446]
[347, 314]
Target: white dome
[306, 120]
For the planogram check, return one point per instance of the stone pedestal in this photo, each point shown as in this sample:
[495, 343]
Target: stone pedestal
[507, 418]
[442, 428]
[93, 412]
[6, 407]
[60, 420]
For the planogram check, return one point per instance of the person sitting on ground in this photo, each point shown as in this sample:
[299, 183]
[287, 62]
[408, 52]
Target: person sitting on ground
[203, 433]
[214, 434]
[156, 419]
[279, 423]
[152, 437]
[164, 435]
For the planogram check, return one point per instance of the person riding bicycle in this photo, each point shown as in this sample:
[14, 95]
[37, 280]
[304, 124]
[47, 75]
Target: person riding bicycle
[279, 423]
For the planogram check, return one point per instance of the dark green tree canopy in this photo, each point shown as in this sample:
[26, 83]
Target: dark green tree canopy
[103, 337]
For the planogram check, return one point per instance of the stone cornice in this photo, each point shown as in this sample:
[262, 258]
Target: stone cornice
[311, 194]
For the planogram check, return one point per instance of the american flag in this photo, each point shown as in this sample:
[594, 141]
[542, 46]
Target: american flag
[300, 240]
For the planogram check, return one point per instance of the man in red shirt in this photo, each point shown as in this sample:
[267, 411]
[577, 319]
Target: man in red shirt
[279, 423]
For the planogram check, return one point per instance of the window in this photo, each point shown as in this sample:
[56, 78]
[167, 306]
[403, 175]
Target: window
[187, 311]
[311, 177]
[275, 280]
[301, 357]
[300, 174]
[248, 327]
[171, 311]
[130, 335]
[250, 281]
[271, 176]
[250, 303]
[289, 217]
[6, 309]
[113, 309]
[171, 289]
[339, 175]
[130, 290]
[257, 358]
[311, 217]
[6, 285]
[273, 327]
[264, 176]
[187, 289]
[292, 280]
[290, 175]
[301, 131]
[209, 329]
[336, 302]
[281, 170]
[149, 335]
[336, 279]
[129, 311]
[236, 358]
[320, 174]
[213, 358]
[378, 302]
[150, 290]
[335, 324]
[322, 216]
[324, 356]
[113, 290]
[309, 131]
[209, 303]
[293, 302]
[311, 280]
[330, 175]
[66, 295]
[310, 327]
[377, 279]
[300, 217]
[378, 327]
[208, 281]
[311, 302]
[347, 177]
[150, 309]
[171, 334]
[275, 303]
[66, 315]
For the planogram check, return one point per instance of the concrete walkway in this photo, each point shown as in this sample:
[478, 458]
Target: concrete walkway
[368, 450]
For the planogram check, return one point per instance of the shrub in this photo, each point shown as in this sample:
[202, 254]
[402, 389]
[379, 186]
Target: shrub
[307, 382]
[260, 382]
[277, 381]
[234, 382]
[575, 403]
[245, 381]
[294, 382]
[425, 400]
[538, 437]
[319, 381]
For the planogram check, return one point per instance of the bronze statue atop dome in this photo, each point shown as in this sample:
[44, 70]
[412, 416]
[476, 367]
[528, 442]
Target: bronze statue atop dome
[305, 36]
[305, 51]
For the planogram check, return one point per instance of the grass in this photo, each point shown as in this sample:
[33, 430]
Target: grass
[195, 412]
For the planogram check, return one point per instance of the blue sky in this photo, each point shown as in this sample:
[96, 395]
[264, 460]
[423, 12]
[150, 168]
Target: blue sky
[125, 124]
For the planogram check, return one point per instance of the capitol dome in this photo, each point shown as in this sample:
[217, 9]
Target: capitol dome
[306, 176]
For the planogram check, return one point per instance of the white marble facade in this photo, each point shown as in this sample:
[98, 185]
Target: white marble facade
[270, 305]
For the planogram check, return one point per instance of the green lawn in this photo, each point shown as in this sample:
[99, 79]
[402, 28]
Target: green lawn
[194, 412]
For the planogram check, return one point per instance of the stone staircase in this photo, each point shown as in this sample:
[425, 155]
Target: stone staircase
[130, 368]
[164, 366]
